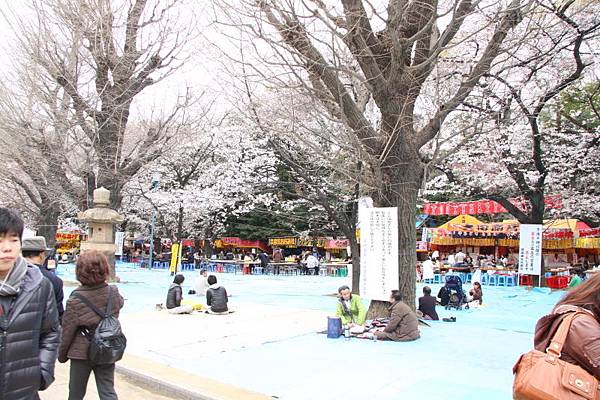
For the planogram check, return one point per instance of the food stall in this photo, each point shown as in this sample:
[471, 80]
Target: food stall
[238, 245]
[68, 242]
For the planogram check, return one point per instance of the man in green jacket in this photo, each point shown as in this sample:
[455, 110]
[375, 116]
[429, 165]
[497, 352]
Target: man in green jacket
[350, 308]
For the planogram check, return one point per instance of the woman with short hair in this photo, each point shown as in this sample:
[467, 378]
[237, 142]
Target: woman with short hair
[79, 324]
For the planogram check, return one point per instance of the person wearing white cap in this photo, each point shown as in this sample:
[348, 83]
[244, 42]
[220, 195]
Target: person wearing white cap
[34, 251]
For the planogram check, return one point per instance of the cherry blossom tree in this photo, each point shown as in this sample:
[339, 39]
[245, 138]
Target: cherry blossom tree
[211, 175]
[520, 150]
[352, 56]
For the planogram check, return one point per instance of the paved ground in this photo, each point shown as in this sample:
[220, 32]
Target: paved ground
[270, 345]
[59, 390]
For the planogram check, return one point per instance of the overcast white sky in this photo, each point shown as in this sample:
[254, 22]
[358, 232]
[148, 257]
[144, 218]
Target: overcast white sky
[199, 73]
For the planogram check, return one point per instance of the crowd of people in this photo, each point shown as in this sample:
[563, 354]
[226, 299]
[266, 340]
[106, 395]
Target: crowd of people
[402, 325]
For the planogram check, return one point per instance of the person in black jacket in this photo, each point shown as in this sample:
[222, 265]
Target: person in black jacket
[33, 250]
[427, 305]
[216, 296]
[175, 295]
[29, 328]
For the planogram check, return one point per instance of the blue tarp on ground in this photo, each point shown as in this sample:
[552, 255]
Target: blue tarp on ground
[469, 359]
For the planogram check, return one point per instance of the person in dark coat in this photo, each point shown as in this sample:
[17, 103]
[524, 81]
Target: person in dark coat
[427, 305]
[264, 260]
[34, 250]
[216, 296]
[175, 295]
[29, 328]
[79, 324]
[403, 325]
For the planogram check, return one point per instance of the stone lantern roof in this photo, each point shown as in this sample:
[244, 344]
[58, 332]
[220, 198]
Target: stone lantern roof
[101, 213]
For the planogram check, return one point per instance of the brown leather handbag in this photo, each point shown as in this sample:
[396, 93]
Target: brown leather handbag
[544, 376]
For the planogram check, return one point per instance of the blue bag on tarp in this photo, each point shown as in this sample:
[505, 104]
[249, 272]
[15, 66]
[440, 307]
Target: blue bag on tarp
[334, 327]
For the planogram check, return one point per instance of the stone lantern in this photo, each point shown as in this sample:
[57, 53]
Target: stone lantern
[101, 220]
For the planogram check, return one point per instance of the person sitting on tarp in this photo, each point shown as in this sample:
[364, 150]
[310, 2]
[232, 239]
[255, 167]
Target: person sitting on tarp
[201, 284]
[174, 297]
[216, 297]
[427, 305]
[475, 297]
[350, 308]
[403, 325]
[443, 296]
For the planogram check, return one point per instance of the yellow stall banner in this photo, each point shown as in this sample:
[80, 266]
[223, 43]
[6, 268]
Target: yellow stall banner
[174, 257]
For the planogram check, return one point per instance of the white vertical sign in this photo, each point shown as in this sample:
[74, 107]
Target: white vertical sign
[425, 237]
[378, 252]
[530, 250]
[119, 239]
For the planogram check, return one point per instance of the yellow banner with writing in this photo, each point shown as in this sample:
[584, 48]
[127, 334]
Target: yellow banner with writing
[174, 257]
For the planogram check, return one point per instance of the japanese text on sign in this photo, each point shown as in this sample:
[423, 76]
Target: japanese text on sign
[530, 250]
[379, 252]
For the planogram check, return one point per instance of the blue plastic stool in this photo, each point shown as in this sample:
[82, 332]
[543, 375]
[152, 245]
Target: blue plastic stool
[511, 280]
[469, 277]
[258, 271]
[492, 280]
[484, 279]
[501, 281]
[464, 277]
[437, 278]
[428, 281]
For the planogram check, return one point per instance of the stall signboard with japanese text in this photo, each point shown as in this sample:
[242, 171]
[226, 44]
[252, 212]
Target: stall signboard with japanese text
[378, 252]
[530, 250]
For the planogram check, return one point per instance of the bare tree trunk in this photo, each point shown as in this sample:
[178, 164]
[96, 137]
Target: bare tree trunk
[180, 223]
[403, 179]
[407, 246]
[208, 249]
[48, 224]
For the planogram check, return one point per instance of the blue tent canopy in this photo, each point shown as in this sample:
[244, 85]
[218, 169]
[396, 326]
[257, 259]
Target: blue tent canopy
[420, 220]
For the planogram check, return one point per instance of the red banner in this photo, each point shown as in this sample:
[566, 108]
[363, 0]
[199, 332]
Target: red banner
[484, 206]
[337, 243]
[592, 232]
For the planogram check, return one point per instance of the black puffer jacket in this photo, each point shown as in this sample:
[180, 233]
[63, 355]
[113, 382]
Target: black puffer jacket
[29, 338]
[174, 296]
[216, 298]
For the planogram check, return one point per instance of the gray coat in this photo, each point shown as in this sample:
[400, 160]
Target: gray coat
[216, 298]
[29, 337]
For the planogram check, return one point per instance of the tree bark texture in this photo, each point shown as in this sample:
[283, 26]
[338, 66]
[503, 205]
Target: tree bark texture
[47, 224]
[402, 179]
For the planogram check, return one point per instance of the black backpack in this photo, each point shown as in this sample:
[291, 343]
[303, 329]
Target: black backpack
[108, 342]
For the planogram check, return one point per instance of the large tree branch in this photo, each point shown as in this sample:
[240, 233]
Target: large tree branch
[295, 36]
[512, 17]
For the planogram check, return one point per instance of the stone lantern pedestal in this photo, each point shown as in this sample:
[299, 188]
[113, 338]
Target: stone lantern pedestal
[101, 221]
